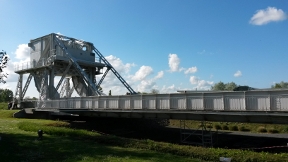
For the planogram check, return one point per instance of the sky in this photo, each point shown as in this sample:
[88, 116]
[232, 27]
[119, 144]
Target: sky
[167, 45]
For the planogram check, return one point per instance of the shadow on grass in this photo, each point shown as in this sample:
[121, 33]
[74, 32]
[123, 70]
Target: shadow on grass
[21, 147]
[149, 129]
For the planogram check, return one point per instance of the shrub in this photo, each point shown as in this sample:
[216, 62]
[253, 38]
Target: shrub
[200, 125]
[243, 129]
[262, 130]
[285, 130]
[225, 127]
[58, 124]
[233, 128]
[209, 126]
[272, 130]
[217, 127]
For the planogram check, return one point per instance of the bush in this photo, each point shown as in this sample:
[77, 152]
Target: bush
[233, 128]
[272, 130]
[225, 127]
[243, 129]
[209, 126]
[217, 127]
[262, 130]
[285, 130]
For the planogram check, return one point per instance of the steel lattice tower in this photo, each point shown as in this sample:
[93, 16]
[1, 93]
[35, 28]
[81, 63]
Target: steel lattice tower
[57, 55]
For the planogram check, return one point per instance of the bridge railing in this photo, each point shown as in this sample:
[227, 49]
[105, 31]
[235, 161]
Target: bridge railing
[221, 101]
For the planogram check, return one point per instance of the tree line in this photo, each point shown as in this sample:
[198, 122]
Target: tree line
[6, 95]
[230, 86]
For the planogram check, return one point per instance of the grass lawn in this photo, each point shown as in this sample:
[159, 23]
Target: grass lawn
[61, 143]
[19, 145]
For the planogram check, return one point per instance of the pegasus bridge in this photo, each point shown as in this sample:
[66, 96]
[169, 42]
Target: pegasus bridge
[80, 62]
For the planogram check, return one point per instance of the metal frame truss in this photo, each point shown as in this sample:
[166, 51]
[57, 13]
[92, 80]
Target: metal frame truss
[77, 67]
[110, 67]
[204, 134]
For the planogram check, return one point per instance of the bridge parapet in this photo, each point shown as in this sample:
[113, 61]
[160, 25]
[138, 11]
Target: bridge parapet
[210, 101]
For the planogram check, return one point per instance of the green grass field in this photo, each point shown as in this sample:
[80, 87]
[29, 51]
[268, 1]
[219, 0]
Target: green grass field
[19, 142]
[19, 145]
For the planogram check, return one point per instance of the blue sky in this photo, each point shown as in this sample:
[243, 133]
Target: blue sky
[165, 44]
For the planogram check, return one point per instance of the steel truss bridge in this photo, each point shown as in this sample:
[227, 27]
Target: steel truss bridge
[245, 106]
[80, 62]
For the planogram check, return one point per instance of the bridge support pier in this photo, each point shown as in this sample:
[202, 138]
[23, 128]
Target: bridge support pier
[202, 136]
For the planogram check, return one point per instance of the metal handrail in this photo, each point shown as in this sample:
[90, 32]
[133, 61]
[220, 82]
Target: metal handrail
[175, 102]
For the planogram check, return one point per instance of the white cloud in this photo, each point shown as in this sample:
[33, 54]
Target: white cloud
[23, 52]
[193, 80]
[146, 85]
[142, 73]
[182, 69]
[200, 84]
[238, 74]
[23, 55]
[191, 70]
[262, 17]
[159, 75]
[140, 81]
[118, 64]
[12, 77]
[173, 62]
[111, 82]
[169, 89]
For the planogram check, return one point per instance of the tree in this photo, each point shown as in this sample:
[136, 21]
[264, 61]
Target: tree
[280, 85]
[34, 98]
[154, 91]
[230, 86]
[220, 86]
[6, 95]
[3, 64]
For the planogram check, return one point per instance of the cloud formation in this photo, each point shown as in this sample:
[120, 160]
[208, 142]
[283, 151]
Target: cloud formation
[159, 75]
[23, 52]
[118, 64]
[111, 82]
[173, 61]
[141, 81]
[142, 73]
[265, 16]
[238, 74]
[191, 70]
[200, 84]
[193, 80]
[23, 55]
[169, 89]
[146, 85]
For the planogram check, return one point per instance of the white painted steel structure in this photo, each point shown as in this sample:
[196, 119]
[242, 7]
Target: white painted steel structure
[55, 55]
[269, 106]
[263, 101]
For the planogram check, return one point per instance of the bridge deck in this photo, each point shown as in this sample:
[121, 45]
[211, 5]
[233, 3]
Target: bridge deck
[249, 106]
